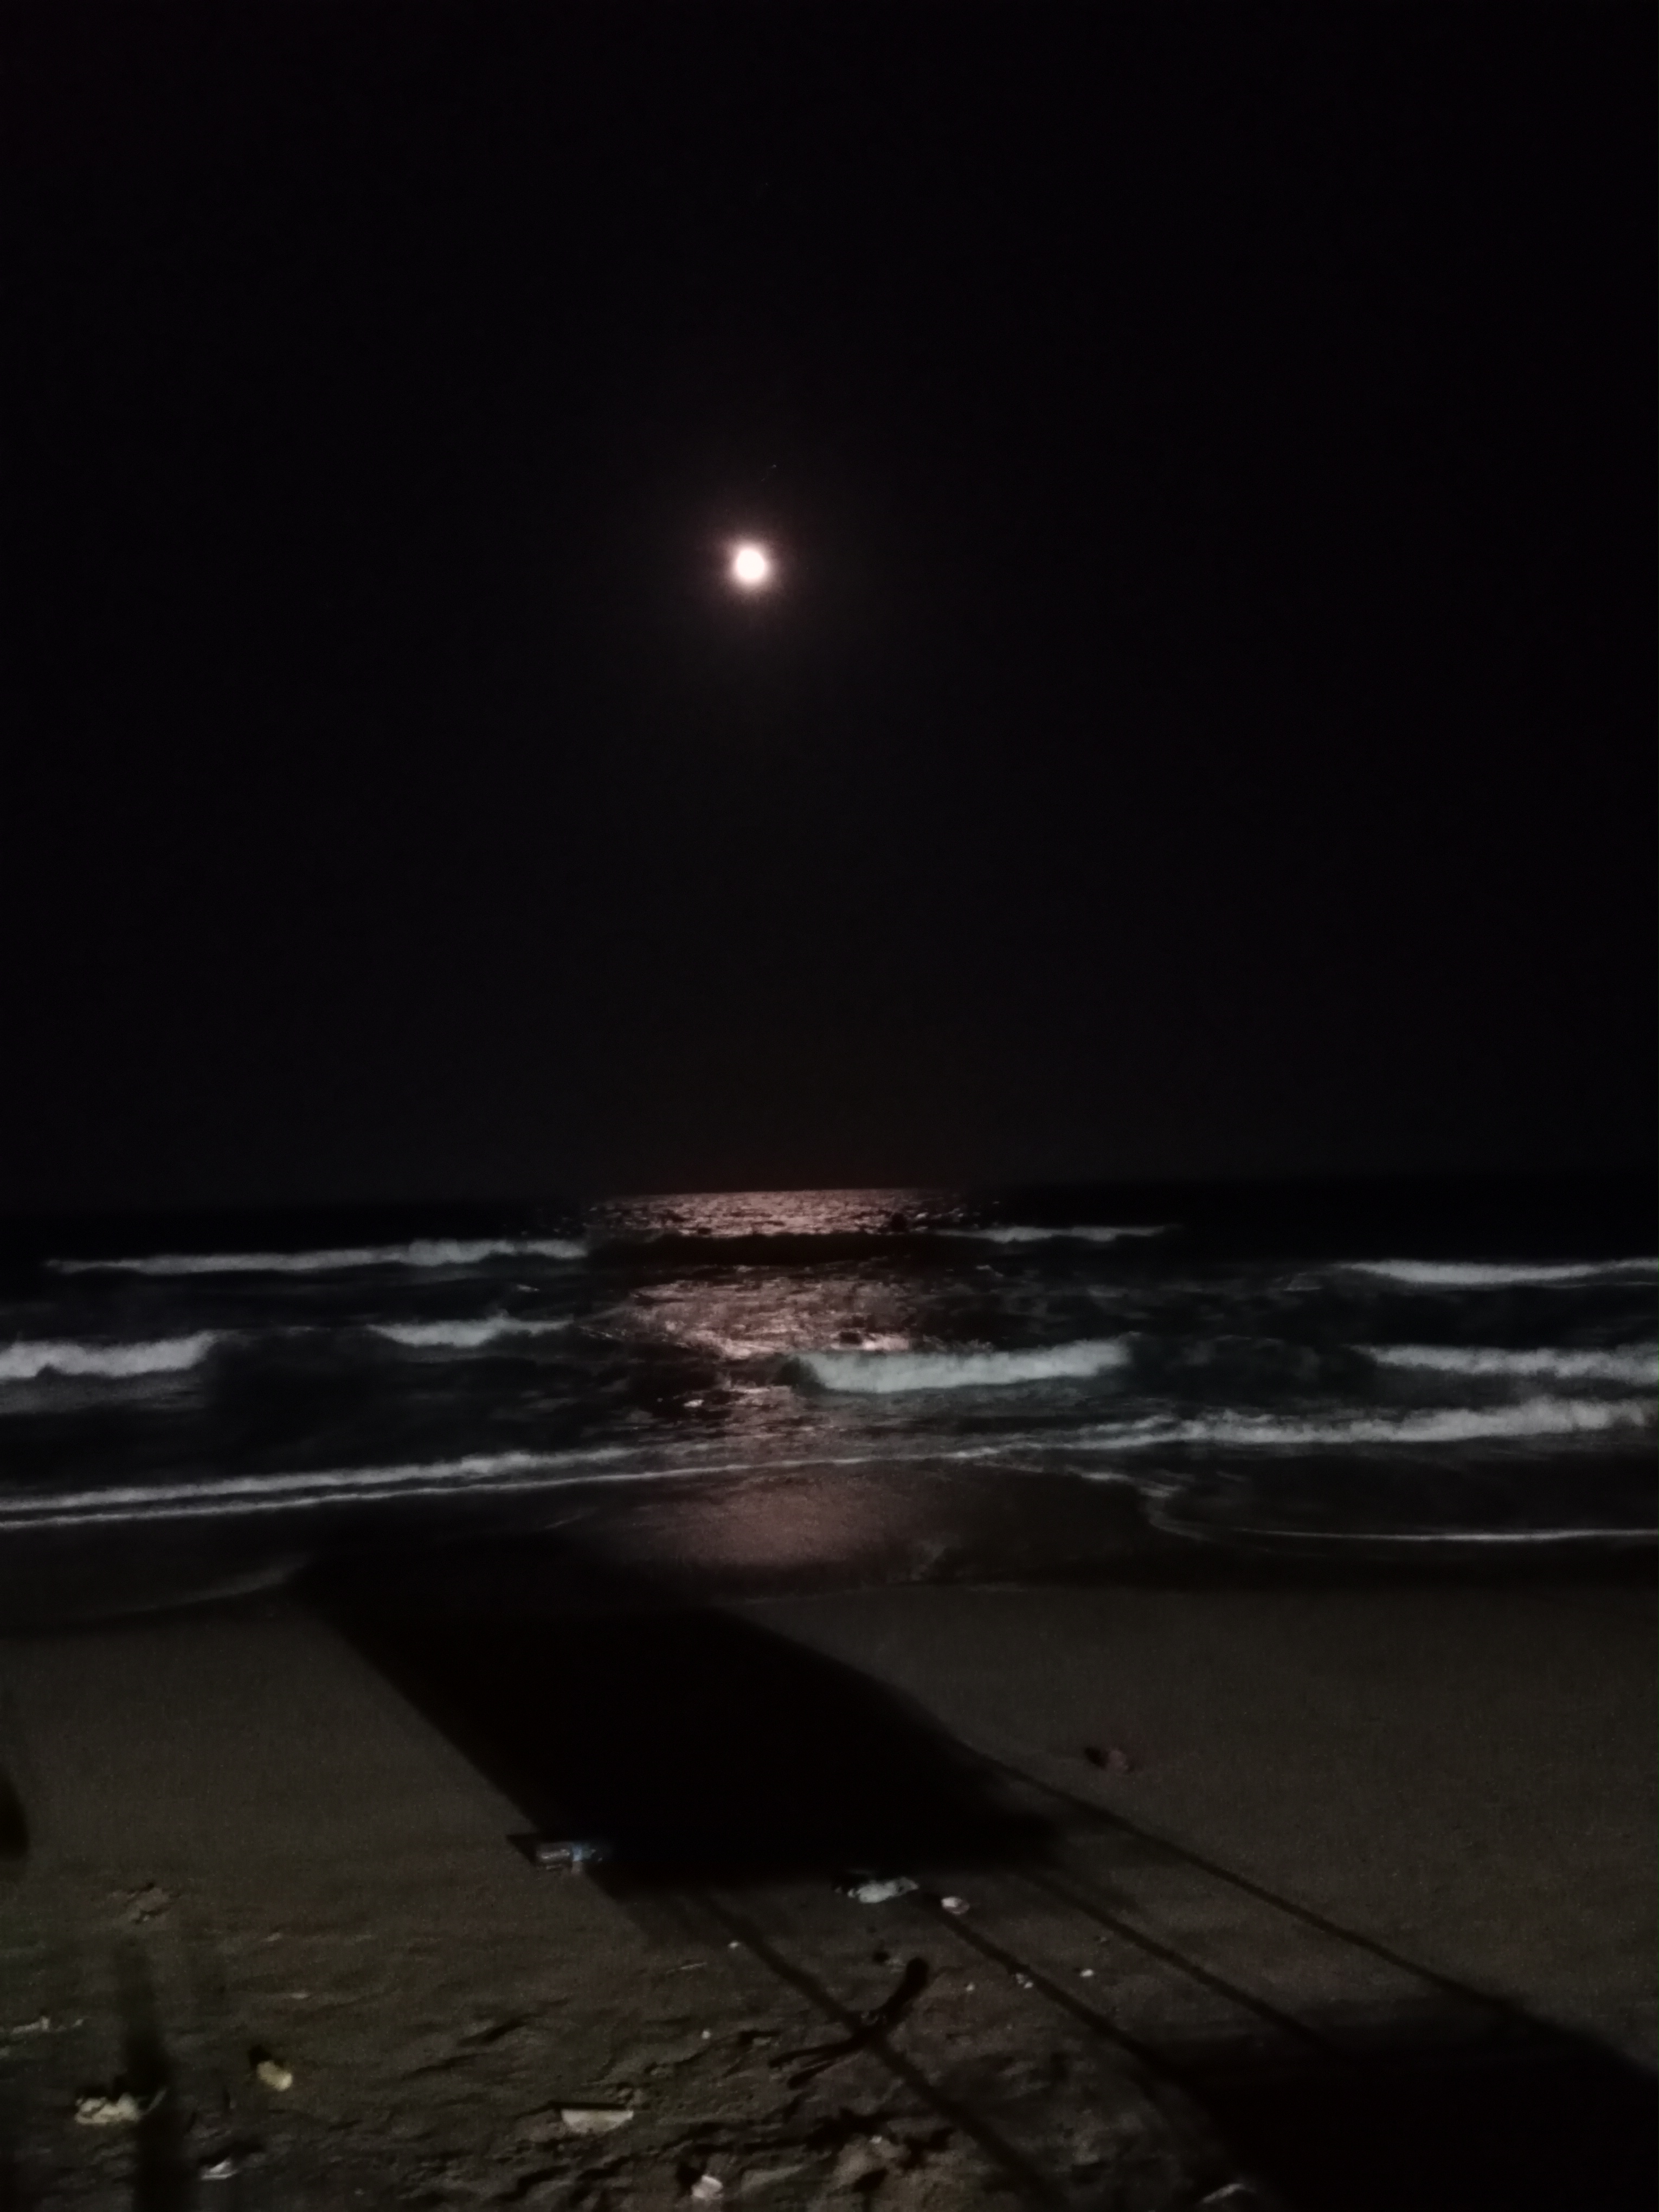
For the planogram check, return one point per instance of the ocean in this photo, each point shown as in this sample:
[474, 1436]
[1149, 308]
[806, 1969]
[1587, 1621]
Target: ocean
[771, 1388]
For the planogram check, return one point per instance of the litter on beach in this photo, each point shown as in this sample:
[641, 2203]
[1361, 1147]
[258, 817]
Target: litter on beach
[567, 1854]
[958, 1904]
[121, 2109]
[594, 2119]
[272, 2072]
[707, 2189]
[877, 1889]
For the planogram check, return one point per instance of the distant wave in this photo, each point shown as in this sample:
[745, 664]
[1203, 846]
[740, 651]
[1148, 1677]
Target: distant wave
[1636, 1364]
[423, 1252]
[742, 1245]
[1450, 1425]
[461, 1335]
[1021, 1232]
[892, 1371]
[1472, 1274]
[24, 1362]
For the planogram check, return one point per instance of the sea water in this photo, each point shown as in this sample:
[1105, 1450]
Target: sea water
[1393, 1366]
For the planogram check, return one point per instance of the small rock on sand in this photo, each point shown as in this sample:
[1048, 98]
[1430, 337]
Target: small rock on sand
[866, 2161]
[1111, 1758]
[149, 1903]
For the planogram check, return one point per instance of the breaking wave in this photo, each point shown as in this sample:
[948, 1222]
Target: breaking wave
[1480, 1275]
[1638, 1363]
[893, 1371]
[461, 1335]
[1026, 1233]
[24, 1362]
[423, 1252]
[1531, 1418]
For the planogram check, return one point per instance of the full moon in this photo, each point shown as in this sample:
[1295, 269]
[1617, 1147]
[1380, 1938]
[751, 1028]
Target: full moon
[751, 565]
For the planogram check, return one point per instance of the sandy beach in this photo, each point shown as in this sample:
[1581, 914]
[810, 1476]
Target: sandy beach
[1347, 1891]
[828, 1294]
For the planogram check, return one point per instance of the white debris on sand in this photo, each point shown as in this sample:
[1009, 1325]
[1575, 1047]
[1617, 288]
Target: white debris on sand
[121, 2109]
[594, 2119]
[874, 1889]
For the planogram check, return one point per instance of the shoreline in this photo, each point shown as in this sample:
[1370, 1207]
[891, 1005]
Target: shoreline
[770, 1533]
[869, 1534]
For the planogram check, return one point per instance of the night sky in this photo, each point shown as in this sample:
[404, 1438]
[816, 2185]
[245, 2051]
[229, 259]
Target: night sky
[1202, 722]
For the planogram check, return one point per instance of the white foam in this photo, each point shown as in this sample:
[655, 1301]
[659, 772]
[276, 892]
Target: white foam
[1472, 1275]
[271, 1493]
[1638, 1363]
[883, 1372]
[1475, 1535]
[423, 1252]
[25, 1360]
[490, 1473]
[461, 1335]
[1020, 1232]
[1223, 1531]
[1531, 1417]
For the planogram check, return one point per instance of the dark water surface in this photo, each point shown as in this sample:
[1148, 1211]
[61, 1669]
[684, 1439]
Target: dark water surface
[771, 1386]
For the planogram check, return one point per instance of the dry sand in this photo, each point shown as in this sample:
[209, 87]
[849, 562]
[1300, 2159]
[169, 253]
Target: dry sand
[1355, 1894]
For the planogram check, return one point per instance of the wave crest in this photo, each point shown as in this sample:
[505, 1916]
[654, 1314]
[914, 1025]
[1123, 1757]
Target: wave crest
[885, 1372]
[1638, 1363]
[23, 1362]
[422, 1252]
[1019, 1232]
[461, 1335]
[1496, 1274]
[1531, 1417]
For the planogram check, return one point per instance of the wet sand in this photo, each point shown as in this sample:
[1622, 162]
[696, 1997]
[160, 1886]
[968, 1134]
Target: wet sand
[1348, 1888]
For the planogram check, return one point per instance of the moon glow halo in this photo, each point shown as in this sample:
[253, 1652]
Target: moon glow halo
[751, 565]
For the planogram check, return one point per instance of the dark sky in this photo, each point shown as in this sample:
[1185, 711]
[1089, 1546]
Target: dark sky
[1204, 722]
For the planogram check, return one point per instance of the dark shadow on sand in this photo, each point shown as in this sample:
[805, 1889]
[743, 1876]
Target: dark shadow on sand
[702, 1748]
[14, 1827]
[1469, 2102]
[14, 2192]
[163, 2177]
[691, 1743]
[1534, 2121]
